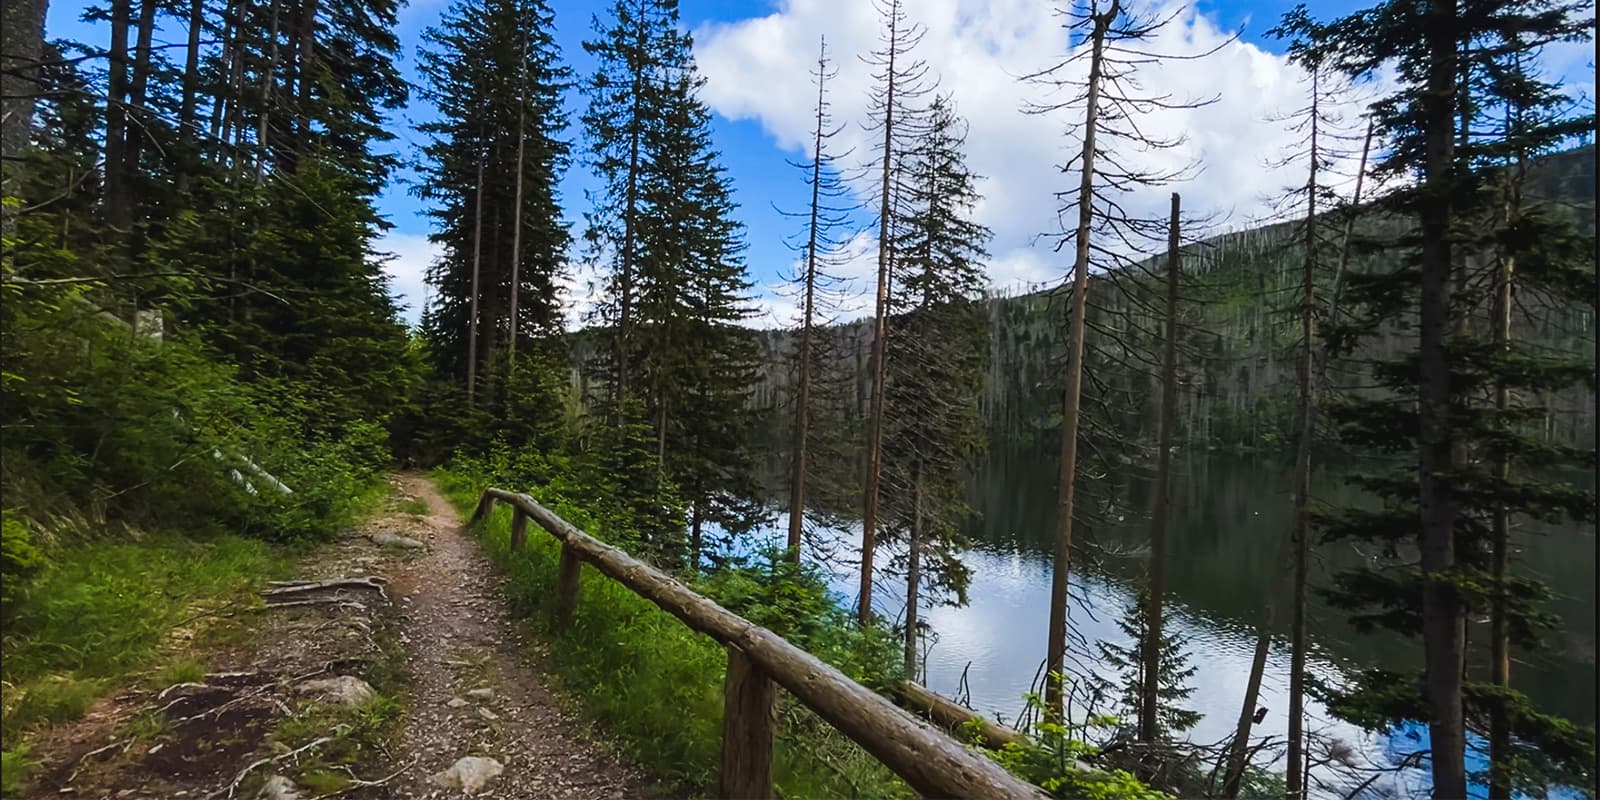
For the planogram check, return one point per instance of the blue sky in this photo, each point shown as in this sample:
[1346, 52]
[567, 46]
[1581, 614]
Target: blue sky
[756, 54]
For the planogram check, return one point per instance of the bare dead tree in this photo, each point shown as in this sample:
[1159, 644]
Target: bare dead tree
[900, 81]
[817, 287]
[1106, 235]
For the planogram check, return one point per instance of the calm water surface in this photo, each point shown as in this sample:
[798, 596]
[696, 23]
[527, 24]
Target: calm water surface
[1229, 517]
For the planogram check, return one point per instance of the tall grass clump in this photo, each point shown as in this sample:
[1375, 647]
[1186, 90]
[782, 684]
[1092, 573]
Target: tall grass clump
[653, 682]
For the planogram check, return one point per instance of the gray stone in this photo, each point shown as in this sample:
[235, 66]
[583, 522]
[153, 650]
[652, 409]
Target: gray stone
[343, 690]
[390, 539]
[278, 787]
[485, 693]
[470, 774]
[456, 702]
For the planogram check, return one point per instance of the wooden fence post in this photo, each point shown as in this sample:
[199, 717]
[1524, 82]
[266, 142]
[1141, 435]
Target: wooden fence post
[485, 505]
[567, 583]
[749, 719]
[519, 529]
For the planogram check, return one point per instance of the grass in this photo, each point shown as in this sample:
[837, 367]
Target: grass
[415, 506]
[653, 682]
[99, 612]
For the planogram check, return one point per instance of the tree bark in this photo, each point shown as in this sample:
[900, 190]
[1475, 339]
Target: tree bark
[1056, 651]
[116, 193]
[880, 335]
[516, 230]
[802, 402]
[1499, 638]
[1444, 623]
[477, 260]
[1150, 653]
[913, 574]
[308, 74]
[188, 156]
[21, 48]
[267, 74]
[1295, 779]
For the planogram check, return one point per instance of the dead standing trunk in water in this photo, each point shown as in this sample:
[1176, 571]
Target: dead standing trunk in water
[1150, 653]
[1056, 652]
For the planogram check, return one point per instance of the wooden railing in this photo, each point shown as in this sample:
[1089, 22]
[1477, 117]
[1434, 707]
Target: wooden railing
[934, 764]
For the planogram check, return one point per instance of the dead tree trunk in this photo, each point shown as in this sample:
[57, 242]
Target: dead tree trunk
[1056, 652]
[1150, 654]
[880, 334]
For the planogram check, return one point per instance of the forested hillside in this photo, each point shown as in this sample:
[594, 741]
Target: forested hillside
[1236, 390]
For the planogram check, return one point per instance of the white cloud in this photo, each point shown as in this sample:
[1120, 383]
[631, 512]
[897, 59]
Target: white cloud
[407, 270]
[758, 69]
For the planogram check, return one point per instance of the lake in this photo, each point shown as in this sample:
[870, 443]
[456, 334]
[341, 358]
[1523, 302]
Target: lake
[1229, 516]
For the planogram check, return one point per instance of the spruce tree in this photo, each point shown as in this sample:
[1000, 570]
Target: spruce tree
[933, 428]
[494, 72]
[1436, 527]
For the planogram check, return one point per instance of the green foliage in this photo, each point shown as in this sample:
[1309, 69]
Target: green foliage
[1054, 761]
[1173, 685]
[657, 684]
[99, 610]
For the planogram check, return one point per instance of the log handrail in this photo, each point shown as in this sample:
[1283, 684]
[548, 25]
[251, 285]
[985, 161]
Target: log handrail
[932, 763]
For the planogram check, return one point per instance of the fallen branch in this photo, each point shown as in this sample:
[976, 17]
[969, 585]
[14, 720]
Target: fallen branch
[296, 587]
[317, 601]
[233, 787]
[357, 783]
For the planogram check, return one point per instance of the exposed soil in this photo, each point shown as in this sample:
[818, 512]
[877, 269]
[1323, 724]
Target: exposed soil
[432, 633]
[461, 638]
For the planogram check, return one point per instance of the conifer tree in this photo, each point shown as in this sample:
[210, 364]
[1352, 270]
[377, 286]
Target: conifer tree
[495, 74]
[933, 431]
[899, 81]
[675, 290]
[1436, 526]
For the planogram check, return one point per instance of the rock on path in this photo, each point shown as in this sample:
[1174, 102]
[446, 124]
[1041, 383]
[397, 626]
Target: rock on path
[510, 739]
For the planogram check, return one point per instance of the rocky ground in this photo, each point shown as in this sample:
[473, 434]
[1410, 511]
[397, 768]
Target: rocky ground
[391, 670]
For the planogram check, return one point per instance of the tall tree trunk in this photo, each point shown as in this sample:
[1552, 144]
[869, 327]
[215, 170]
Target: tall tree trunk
[137, 117]
[268, 71]
[913, 573]
[188, 155]
[516, 230]
[802, 402]
[1296, 780]
[1150, 653]
[880, 335]
[477, 260]
[1056, 651]
[21, 49]
[1443, 620]
[1499, 638]
[118, 215]
[308, 77]
[625, 299]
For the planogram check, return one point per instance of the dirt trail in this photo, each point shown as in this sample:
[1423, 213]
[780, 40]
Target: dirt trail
[439, 640]
[460, 638]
